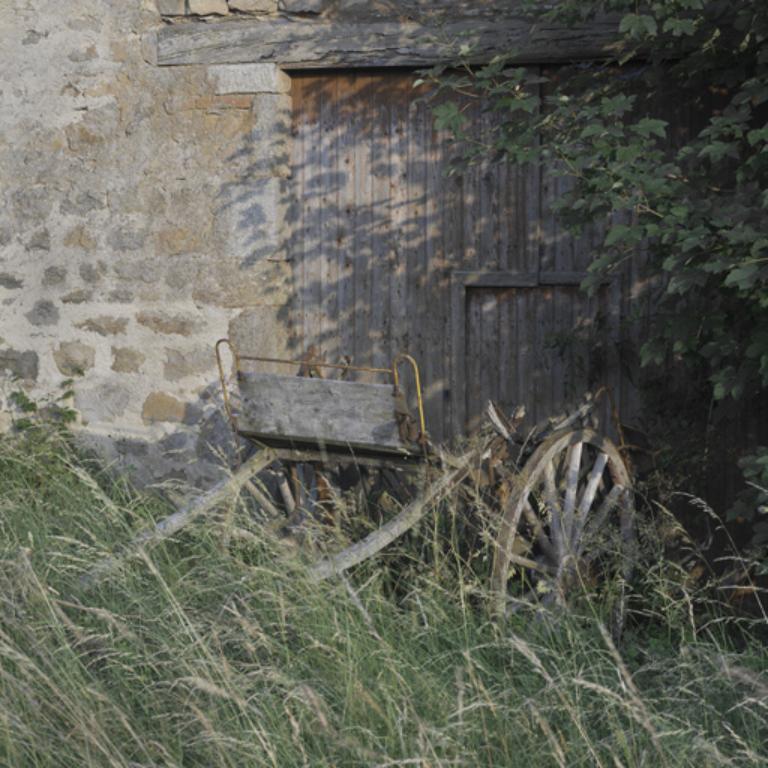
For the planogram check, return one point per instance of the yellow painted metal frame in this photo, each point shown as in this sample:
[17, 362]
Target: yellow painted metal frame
[393, 371]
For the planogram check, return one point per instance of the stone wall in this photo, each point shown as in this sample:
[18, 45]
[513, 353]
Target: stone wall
[140, 220]
[143, 208]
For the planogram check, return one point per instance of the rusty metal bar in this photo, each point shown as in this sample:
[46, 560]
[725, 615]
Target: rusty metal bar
[399, 360]
[223, 379]
[314, 363]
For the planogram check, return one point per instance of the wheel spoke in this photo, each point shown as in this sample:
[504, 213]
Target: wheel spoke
[538, 531]
[531, 565]
[609, 504]
[588, 497]
[550, 500]
[571, 488]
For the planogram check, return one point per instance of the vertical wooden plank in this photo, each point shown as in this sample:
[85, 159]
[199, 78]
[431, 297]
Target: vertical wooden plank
[329, 121]
[506, 351]
[487, 189]
[312, 191]
[435, 310]
[380, 203]
[363, 152]
[397, 242]
[458, 356]
[542, 386]
[298, 169]
[468, 250]
[453, 242]
[348, 135]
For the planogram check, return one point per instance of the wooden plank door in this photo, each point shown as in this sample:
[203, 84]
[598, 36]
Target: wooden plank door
[542, 347]
[391, 254]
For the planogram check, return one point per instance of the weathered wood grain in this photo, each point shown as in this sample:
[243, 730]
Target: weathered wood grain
[307, 44]
[467, 273]
[318, 411]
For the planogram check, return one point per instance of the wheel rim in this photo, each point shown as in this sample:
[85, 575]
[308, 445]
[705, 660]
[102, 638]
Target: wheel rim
[574, 482]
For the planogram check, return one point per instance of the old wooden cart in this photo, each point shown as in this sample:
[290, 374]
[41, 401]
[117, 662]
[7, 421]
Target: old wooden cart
[308, 417]
[561, 494]
[567, 488]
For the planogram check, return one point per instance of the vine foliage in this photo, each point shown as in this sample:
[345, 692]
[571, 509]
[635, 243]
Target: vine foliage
[696, 204]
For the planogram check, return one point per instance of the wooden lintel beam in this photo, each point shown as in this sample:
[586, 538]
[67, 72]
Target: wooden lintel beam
[315, 44]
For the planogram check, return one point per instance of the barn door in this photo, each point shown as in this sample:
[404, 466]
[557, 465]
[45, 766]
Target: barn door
[541, 346]
[466, 273]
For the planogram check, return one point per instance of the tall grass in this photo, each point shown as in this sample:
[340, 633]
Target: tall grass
[215, 649]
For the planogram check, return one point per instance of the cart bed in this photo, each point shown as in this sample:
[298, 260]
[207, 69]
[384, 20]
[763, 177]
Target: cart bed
[336, 415]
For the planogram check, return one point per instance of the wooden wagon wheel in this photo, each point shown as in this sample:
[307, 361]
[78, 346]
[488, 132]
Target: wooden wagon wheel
[574, 490]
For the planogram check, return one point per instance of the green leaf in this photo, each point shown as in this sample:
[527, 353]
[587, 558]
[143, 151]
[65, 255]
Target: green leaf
[757, 135]
[680, 27]
[743, 277]
[651, 127]
[617, 233]
[449, 117]
[638, 25]
[593, 129]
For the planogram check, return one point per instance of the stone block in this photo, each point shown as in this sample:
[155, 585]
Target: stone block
[121, 296]
[73, 358]
[182, 271]
[82, 204]
[163, 322]
[178, 442]
[22, 365]
[215, 441]
[303, 6]
[43, 313]
[103, 403]
[54, 276]
[127, 238]
[171, 7]
[81, 55]
[208, 7]
[160, 406]
[79, 238]
[148, 270]
[79, 296]
[172, 242]
[253, 6]
[252, 220]
[9, 282]
[231, 284]
[126, 360]
[271, 131]
[31, 205]
[81, 139]
[105, 325]
[92, 273]
[262, 331]
[248, 78]
[178, 365]
[40, 240]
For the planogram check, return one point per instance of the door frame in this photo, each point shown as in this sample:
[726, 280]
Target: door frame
[461, 283]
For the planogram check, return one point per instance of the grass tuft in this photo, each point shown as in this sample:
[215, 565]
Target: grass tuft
[215, 649]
